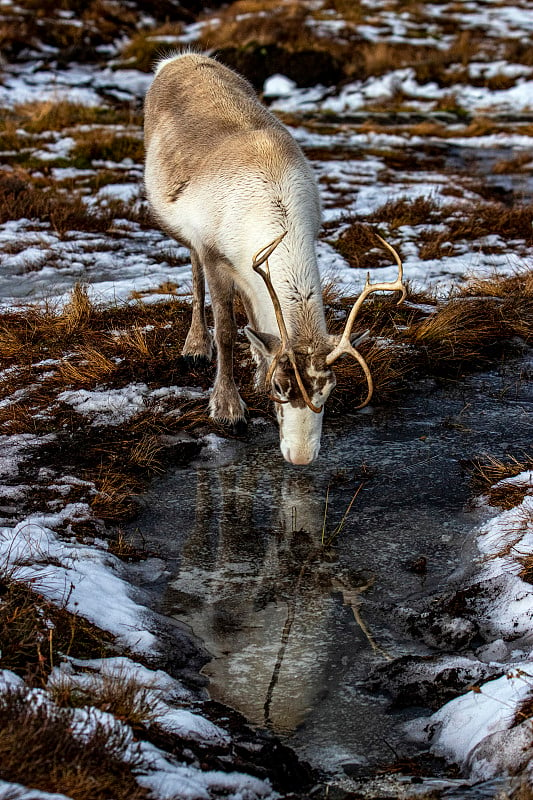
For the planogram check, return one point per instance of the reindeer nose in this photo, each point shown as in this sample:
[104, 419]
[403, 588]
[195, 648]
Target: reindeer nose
[300, 457]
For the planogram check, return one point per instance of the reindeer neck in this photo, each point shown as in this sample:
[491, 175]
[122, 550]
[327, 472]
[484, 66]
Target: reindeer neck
[296, 279]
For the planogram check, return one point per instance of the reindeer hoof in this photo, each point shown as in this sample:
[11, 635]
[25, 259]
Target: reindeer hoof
[226, 406]
[196, 362]
[233, 427]
[238, 428]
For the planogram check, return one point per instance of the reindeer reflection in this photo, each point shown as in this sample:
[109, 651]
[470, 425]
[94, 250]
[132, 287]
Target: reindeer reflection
[260, 586]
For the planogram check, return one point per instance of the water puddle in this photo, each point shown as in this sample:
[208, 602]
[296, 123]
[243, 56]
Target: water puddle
[296, 602]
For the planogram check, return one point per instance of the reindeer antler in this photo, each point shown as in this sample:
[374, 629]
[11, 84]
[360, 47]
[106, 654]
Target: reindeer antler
[260, 258]
[344, 345]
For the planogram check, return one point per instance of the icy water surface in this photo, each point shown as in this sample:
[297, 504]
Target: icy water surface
[297, 617]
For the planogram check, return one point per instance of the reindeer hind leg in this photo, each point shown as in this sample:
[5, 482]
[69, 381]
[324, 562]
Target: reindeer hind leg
[198, 344]
[225, 405]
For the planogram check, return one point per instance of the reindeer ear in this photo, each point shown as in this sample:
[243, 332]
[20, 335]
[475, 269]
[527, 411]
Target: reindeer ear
[355, 338]
[266, 343]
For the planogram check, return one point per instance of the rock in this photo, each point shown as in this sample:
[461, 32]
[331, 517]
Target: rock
[430, 681]
[503, 752]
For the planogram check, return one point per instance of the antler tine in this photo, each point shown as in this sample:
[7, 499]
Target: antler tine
[260, 258]
[344, 345]
[399, 280]
[267, 251]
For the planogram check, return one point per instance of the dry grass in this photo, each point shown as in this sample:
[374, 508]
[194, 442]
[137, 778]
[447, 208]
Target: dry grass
[145, 453]
[22, 198]
[458, 223]
[91, 367]
[508, 496]
[390, 373]
[458, 332]
[518, 285]
[117, 694]
[463, 222]
[102, 145]
[526, 573]
[39, 750]
[475, 223]
[78, 310]
[262, 23]
[512, 165]
[84, 342]
[404, 211]
[430, 65]
[116, 492]
[253, 24]
[264, 37]
[145, 48]
[122, 547]
[93, 24]
[12, 345]
[42, 116]
[35, 634]
[137, 342]
[490, 470]
[359, 246]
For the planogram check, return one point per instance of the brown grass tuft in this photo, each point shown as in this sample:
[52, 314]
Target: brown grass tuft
[122, 547]
[136, 343]
[519, 286]
[526, 573]
[508, 496]
[144, 49]
[91, 367]
[489, 470]
[22, 197]
[35, 633]
[359, 246]
[117, 694]
[145, 453]
[78, 310]
[12, 345]
[282, 24]
[48, 115]
[477, 222]
[39, 749]
[404, 211]
[101, 145]
[460, 331]
[116, 493]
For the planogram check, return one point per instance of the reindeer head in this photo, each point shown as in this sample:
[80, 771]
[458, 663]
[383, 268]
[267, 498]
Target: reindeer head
[301, 381]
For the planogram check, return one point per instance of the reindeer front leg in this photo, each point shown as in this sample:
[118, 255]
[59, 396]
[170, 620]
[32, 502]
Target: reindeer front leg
[225, 405]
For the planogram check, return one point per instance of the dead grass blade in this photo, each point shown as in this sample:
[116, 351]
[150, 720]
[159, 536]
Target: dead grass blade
[145, 453]
[115, 498]
[91, 367]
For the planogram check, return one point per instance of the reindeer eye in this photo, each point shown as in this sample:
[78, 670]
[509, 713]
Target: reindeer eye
[277, 387]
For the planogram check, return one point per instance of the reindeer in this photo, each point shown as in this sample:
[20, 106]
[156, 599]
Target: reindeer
[223, 176]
